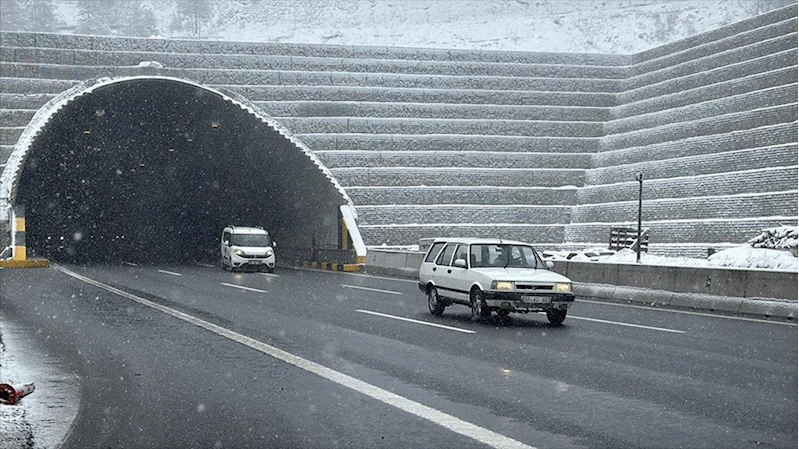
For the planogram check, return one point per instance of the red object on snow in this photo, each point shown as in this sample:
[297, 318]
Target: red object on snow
[11, 394]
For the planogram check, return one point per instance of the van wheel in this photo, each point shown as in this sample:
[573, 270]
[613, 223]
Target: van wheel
[556, 317]
[222, 264]
[480, 310]
[434, 303]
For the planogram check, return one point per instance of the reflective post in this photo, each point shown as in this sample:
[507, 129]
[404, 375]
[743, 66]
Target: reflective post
[640, 178]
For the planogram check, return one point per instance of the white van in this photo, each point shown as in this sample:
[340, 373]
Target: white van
[492, 275]
[245, 247]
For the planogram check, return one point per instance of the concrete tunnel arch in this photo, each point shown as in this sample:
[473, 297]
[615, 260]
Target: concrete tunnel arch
[150, 168]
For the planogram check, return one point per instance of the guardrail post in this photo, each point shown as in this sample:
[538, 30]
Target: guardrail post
[640, 178]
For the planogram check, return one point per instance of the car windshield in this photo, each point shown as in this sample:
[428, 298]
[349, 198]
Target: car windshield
[504, 255]
[259, 240]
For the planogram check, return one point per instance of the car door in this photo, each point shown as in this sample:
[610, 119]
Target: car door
[426, 269]
[225, 246]
[453, 280]
[439, 270]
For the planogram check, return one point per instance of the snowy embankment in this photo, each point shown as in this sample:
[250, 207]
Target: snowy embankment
[773, 249]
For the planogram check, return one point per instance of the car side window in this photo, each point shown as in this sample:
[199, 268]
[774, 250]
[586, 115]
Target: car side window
[225, 236]
[461, 253]
[434, 250]
[446, 256]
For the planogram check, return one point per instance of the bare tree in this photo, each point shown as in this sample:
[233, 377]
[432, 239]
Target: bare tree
[192, 16]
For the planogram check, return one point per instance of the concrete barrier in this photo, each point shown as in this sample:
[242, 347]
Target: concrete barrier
[732, 290]
[394, 262]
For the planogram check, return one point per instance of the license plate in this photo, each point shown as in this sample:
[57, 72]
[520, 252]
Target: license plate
[527, 299]
[255, 262]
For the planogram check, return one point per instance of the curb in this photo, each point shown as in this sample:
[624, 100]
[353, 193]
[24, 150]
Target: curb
[28, 263]
[764, 307]
[329, 266]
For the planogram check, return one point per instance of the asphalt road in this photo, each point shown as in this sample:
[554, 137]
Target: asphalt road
[191, 356]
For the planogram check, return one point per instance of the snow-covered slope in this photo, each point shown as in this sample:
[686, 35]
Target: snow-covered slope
[620, 26]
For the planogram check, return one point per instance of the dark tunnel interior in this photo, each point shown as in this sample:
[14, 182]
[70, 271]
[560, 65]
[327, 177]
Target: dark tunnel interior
[151, 170]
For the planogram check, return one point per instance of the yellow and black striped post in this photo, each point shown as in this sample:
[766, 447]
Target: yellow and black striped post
[20, 248]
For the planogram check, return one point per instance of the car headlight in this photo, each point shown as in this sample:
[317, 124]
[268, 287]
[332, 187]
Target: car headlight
[503, 285]
[563, 288]
[239, 252]
[269, 253]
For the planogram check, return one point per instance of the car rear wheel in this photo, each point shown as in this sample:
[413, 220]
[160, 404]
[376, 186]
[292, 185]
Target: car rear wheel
[556, 317]
[434, 303]
[480, 310]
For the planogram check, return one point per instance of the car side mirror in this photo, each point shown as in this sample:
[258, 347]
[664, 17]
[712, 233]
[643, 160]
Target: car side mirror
[226, 242]
[459, 263]
[550, 264]
[274, 244]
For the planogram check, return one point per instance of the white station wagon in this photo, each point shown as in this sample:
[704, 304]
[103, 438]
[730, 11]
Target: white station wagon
[492, 275]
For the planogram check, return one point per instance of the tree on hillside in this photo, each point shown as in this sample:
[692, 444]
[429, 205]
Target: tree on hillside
[137, 19]
[116, 17]
[40, 15]
[11, 17]
[191, 17]
[93, 16]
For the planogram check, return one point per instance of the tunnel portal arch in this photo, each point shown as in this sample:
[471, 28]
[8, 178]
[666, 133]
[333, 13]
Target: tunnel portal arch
[150, 168]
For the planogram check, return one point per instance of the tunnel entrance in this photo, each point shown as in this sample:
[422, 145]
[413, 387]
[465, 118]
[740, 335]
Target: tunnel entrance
[151, 170]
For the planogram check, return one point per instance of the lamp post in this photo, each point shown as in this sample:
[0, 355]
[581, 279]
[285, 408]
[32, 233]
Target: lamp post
[640, 178]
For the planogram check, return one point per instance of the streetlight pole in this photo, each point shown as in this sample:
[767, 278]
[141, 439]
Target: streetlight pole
[640, 178]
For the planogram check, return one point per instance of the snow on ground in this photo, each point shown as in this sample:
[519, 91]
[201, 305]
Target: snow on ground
[773, 249]
[744, 256]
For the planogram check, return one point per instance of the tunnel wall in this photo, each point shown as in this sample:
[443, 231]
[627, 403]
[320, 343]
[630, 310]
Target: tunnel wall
[169, 186]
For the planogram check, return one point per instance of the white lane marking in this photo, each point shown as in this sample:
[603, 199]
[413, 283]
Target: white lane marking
[271, 275]
[131, 264]
[393, 317]
[206, 265]
[445, 420]
[372, 289]
[626, 324]
[170, 272]
[243, 287]
[688, 312]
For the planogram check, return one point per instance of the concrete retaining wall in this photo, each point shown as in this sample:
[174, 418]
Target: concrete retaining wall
[749, 292]
[467, 159]
[462, 195]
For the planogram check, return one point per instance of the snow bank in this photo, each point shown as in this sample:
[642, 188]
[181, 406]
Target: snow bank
[773, 249]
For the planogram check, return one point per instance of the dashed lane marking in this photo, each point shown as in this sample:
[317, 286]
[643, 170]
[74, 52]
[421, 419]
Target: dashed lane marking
[425, 323]
[452, 423]
[243, 287]
[390, 292]
[170, 272]
[661, 329]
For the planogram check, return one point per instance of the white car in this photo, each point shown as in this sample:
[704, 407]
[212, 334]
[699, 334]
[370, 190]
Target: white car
[245, 247]
[492, 275]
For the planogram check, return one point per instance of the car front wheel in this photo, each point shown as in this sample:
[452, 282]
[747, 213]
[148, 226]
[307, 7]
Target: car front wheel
[480, 310]
[434, 302]
[556, 317]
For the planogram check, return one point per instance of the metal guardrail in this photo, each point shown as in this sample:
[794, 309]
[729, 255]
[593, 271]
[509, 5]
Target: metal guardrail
[623, 237]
